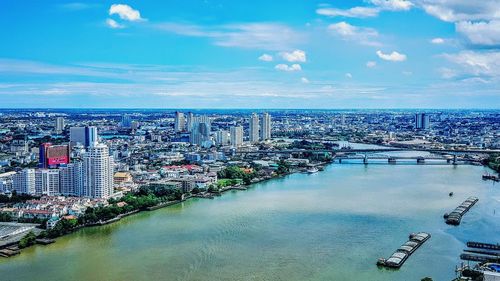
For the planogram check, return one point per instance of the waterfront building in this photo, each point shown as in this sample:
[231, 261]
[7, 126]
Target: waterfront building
[86, 136]
[51, 156]
[422, 121]
[236, 136]
[71, 179]
[180, 121]
[98, 170]
[24, 181]
[59, 126]
[254, 128]
[47, 182]
[265, 128]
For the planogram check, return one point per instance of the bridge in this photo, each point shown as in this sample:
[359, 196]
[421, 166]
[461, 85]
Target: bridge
[373, 150]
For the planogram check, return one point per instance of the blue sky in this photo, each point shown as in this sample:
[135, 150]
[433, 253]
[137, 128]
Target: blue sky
[250, 54]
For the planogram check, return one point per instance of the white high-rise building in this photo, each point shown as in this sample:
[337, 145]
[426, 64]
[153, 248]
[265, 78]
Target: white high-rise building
[47, 182]
[180, 122]
[71, 179]
[59, 126]
[222, 137]
[265, 128]
[98, 169]
[24, 181]
[236, 136]
[254, 128]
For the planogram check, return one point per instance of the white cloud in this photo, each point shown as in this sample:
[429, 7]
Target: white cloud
[356, 12]
[437, 40]
[304, 80]
[475, 63]
[348, 75]
[393, 5]
[268, 36]
[481, 33]
[460, 10]
[349, 32]
[266, 57]
[295, 56]
[394, 56]
[125, 12]
[288, 68]
[371, 64]
[113, 24]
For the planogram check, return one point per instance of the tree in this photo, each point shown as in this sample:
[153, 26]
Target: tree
[28, 240]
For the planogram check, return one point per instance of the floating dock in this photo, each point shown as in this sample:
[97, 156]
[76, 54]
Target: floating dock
[455, 217]
[480, 245]
[399, 257]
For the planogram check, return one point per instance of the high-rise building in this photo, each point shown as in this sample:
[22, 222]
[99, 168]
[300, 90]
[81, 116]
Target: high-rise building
[59, 126]
[422, 121]
[86, 136]
[51, 156]
[98, 169]
[24, 181]
[265, 128]
[189, 121]
[222, 137]
[180, 121]
[71, 179]
[126, 121]
[254, 128]
[47, 182]
[236, 136]
[200, 130]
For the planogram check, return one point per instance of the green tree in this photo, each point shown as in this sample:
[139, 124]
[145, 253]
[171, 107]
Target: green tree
[28, 240]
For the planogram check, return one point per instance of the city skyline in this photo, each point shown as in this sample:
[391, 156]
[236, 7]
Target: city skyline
[227, 54]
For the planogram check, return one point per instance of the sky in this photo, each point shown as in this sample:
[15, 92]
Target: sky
[250, 54]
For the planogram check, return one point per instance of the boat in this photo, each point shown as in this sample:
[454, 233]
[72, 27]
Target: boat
[397, 259]
[312, 170]
[451, 194]
[491, 177]
[455, 217]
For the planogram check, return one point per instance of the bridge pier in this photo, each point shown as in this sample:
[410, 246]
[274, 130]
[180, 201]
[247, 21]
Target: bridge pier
[365, 160]
[391, 160]
[455, 159]
[420, 160]
[340, 160]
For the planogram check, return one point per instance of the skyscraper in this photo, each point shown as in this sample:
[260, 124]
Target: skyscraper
[222, 137]
[59, 126]
[200, 131]
[265, 128]
[98, 168]
[71, 179]
[236, 136]
[254, 128]
[422, 121]
[180, 121]
[189, 121]
[24, 181]
[126, 121]
[47, 182]
[86, 136]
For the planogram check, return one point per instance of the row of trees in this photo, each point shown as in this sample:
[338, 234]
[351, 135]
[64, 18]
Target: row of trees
[16, 198]
[28, 240]
[494, 162]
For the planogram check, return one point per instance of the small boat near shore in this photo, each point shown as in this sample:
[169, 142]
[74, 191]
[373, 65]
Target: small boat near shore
[312, 170]
[398, 258]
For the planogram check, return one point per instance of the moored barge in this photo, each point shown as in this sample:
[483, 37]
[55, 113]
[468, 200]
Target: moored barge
[455, 217]
[397, 259]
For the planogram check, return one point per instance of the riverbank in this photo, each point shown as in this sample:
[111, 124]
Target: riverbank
[153, 208]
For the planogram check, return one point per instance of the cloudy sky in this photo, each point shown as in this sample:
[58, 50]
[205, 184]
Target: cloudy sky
[250, 54]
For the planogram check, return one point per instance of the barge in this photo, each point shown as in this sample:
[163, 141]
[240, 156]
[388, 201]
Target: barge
[398, 258]
[455, 217]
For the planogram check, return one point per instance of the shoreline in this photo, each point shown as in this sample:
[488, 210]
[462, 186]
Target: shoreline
[175, 202]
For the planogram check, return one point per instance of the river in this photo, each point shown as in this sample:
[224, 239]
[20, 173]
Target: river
[332, 225]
